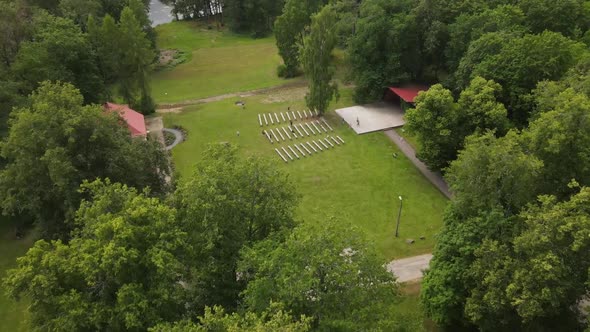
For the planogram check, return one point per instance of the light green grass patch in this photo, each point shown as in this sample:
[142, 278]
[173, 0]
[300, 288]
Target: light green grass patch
[13, 315]
[358, 182]
[220, 62]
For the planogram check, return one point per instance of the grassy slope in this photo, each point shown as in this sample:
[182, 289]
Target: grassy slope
[359, 182]
[13, 315]
[219, 63]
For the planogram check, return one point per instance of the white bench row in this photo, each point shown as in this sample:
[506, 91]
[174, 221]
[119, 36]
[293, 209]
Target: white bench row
[296, 131]
[307, 149]
[290, 116]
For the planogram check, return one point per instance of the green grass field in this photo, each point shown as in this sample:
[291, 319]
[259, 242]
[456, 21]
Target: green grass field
[13, 315]
[219, 62]
[358, 182]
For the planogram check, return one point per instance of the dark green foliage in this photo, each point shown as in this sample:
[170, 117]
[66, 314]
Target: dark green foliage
[58, 51]
[492, 179]
[230, 203]
[569, 17]
[289, 29]
[384, 48]
[217, 319]
[252, 16]
[316, 58]
[79, 10]
[436, 123]
[326, 272]
[56, 143]
[534, 280]
[518, 64]
[560, 137]
[470, 27]
[121, 271]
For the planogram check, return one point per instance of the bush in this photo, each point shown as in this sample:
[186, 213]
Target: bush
[285, 72]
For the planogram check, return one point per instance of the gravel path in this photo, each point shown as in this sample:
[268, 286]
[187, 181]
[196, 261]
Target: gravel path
[434, 177]
[177, 139]
[408, 269]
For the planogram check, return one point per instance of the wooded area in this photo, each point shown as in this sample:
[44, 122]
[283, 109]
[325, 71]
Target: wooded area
[123, 247]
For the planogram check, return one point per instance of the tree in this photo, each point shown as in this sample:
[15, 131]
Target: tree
[217, 320]
[254, 16]
[58, 51]
[289, 29]
[384, 48]
[535, 280]
[542, 15]
[480, 110]
[121, 271]
[316, 57]
[492, 180]
[520, 63]
[56, 143]
[79, 10]
[560, 137]
[230, 203]
[470, 27]
[15, 27]
[435, 122]
[326, 272]
[135, 58]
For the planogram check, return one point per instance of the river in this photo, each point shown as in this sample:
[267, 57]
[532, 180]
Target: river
[160, 13]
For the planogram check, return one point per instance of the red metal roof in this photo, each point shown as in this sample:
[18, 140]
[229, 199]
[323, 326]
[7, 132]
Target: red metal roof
[408, 94]
[135, 120]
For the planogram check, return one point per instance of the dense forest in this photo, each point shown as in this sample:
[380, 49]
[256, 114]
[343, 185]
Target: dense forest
[506, 120]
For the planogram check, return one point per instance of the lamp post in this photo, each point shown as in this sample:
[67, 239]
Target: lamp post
[399, 216]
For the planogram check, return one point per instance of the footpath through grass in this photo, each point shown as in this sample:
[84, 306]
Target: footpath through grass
[219, 62]
[13, 315]
[358, 182]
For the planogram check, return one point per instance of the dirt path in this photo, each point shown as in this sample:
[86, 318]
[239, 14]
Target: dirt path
[175, 107]
[434, 177]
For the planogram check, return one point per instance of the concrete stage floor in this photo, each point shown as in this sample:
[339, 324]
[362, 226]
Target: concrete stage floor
[372, 117]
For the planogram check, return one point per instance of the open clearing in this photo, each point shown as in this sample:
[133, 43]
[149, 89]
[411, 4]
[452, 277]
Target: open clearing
[359, 182]
[218, 62]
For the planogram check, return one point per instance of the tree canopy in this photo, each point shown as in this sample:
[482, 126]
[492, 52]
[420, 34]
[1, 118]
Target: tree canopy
[56, 143]
[122, 270]
[316, 57]
[229, 203]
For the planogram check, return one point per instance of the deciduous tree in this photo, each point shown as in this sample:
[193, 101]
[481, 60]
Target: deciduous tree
[56, 143]
[229, 203]
[58, 51]
[121, 271]
[436, 123]
[289, 29]
[327, 272]
[316, 57]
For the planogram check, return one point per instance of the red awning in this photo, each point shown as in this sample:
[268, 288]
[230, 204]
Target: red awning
[135, 120]
[408, 94]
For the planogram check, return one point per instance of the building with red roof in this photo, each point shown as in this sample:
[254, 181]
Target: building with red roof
[135, 120]
[406, 94]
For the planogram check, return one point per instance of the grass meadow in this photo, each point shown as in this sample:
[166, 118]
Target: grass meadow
[218, 62]
[358, 182]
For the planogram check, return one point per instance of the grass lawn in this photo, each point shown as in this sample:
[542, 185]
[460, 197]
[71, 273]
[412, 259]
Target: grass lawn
[219, 62]
[13, 315]
[359, 182]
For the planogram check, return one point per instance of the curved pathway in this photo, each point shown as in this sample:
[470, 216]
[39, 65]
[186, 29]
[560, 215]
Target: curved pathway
[177, 139]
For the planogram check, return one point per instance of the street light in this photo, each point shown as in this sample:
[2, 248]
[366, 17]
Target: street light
[399, 216]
